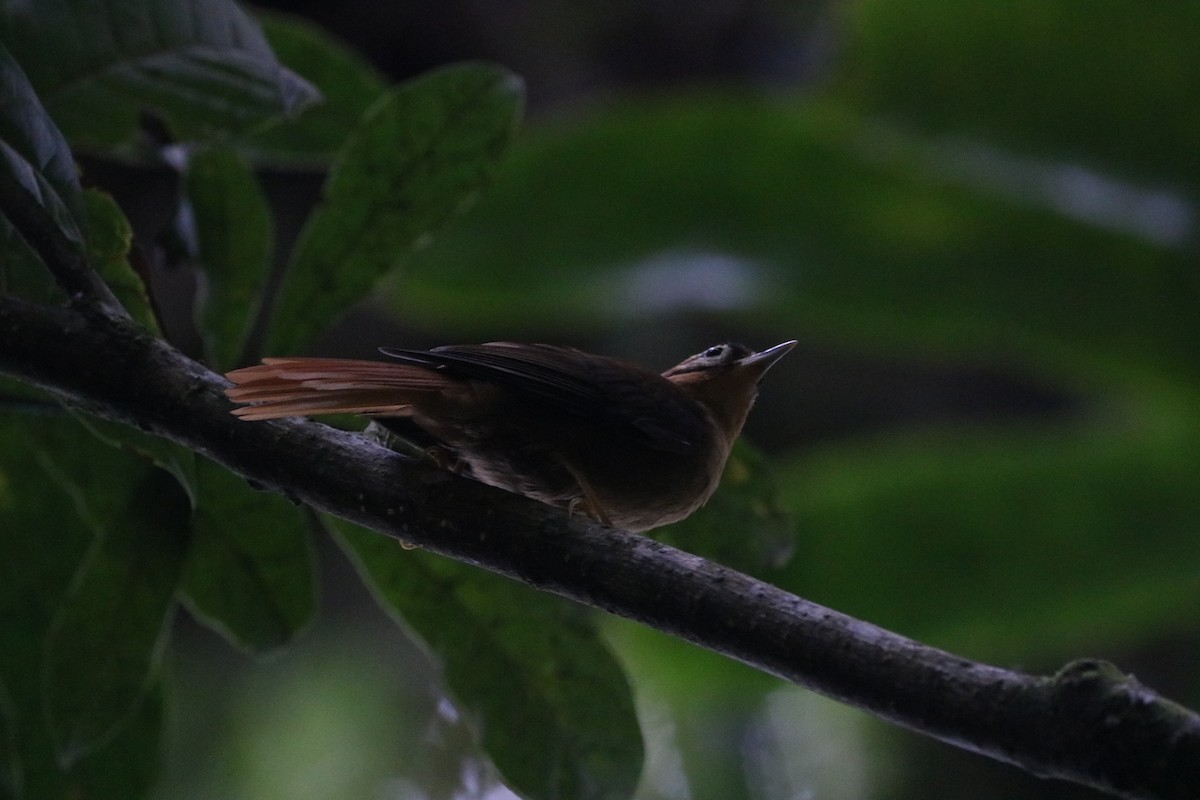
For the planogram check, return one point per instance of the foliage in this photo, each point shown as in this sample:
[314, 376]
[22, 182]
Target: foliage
[925, 202]
[154, 525]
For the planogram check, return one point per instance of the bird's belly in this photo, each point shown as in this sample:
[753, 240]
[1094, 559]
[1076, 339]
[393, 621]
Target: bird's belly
[636, 489]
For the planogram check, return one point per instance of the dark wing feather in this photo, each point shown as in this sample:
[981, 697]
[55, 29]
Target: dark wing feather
[591, 387]
[543, 371]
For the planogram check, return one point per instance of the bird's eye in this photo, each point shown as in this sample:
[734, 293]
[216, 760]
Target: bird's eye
[714, 352]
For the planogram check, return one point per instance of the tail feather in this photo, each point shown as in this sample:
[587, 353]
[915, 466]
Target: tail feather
[295, 387]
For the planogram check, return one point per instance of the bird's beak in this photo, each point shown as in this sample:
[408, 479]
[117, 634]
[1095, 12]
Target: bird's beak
[765, 359]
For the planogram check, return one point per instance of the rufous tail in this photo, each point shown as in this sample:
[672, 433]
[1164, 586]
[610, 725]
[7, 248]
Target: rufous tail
[298, 387]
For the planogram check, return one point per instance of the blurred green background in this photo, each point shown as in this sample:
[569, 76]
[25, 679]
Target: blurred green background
[979, 219]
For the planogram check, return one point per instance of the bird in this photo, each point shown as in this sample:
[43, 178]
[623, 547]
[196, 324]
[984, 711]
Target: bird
[629, 447]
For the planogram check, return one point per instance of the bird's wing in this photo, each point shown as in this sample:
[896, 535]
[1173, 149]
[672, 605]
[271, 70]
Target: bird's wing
[594, 388]
[543, 371]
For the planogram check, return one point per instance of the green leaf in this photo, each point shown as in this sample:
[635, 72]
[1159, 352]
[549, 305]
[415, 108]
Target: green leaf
[127, 766]
[22, 273]
[34, 155]
[743, 525]
[108, 243]
[45, 537]
[44, 540]
[250, 572]
[418, 156]
[711, 701]
[553, 706]
[42, 543]
[36, 151]
[105, 643]
[203, 65]
[234, 234]
[176, 459]
[348, 84]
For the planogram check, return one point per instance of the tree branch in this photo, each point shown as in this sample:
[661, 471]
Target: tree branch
[1088, 724]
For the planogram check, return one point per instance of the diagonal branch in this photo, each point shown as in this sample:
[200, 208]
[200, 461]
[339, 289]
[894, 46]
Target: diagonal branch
[1089, 724]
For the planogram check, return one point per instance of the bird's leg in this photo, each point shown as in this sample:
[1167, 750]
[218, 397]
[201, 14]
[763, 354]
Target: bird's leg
[442, 457]
[394, 440]
[445, 459]
[589, 503]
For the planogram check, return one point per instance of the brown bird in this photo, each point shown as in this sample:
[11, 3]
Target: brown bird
[632, 448]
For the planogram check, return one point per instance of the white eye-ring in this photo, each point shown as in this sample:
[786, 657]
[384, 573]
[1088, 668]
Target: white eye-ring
[714, 352]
